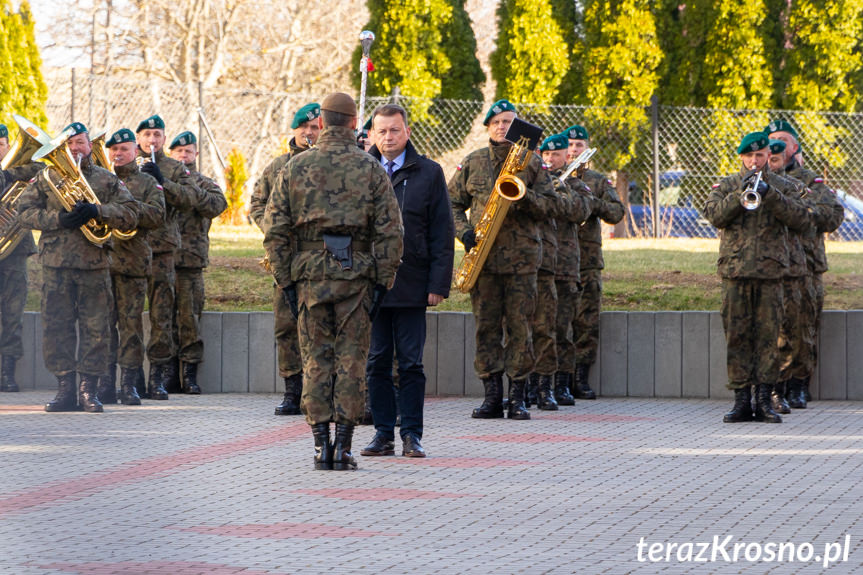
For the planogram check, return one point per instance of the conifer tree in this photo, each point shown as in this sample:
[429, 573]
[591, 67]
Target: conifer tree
[32, 101]
[8, 85]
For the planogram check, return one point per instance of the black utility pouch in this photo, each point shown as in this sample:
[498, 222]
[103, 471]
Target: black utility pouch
[340, 248]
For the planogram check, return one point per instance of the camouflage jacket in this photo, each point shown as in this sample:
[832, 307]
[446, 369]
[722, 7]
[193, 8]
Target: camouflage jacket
[753, 243]
[518, 246]
[132, 257]
[577, 205]
[335, 188]
[609, 209]
[181, 193]
[195, 224]
[23, 173]
[267, 183]
[68, 248]
[827, 215]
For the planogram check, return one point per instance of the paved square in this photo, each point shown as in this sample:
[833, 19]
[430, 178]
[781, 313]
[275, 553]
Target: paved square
[216, 484]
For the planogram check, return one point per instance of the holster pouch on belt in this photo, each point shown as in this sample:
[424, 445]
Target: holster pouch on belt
[340, 248]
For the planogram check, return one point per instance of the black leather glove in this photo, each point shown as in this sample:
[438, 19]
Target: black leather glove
[87, 211]
[378, 294]
[153, 170]
[469, 240]
[71, 220]
[762, 188]
[290, 295]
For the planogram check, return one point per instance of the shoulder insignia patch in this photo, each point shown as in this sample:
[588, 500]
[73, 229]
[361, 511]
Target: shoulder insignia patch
[159, 186]
[609, 182]
[714, 186]
[187, 171]
[458, 167]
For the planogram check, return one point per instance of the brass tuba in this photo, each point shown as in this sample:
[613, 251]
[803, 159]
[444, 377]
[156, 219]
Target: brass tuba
[100, 157]
[30, 138]
[70, 187]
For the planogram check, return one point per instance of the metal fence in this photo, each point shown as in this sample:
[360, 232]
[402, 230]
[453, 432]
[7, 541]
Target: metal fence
[662, 159]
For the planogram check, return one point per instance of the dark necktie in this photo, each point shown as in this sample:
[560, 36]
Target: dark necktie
[390, 165]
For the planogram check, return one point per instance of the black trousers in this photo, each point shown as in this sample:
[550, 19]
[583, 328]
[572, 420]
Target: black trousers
[400, 332]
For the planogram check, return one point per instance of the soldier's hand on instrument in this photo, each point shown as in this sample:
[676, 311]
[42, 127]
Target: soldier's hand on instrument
[153, 170]
[290, 295]
[87, 211]
[468, 239]
[71, 220]
[378, 294]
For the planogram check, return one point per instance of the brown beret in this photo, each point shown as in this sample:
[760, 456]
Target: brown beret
[341, 103]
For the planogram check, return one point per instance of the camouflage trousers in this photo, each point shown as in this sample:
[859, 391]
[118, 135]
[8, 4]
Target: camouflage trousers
[752, 318]
[187, 321]
[13, 298]
[567, 299]
[127, 324]
[334, 332]
[503, 306]
[287, 340]
[160, 293]
[71, 296]
[545, 325]
[798, 331]
[587, 310]
[815, 320]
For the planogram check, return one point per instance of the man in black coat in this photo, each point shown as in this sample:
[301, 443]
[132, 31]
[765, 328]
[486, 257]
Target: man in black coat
[423, 279]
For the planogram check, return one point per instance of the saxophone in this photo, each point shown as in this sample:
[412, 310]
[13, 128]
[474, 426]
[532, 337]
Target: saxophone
[507, 189]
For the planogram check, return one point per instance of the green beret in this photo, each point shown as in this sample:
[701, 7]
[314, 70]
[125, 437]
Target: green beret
[497, 108]
[752, 142]
[75, 128]
[151, 123]
[364, 133]
[305, 114]
[780, 126]
[4, 131]
[555, 142]
[183, 139]
[120, 136]
[776, 146]
[577, 133]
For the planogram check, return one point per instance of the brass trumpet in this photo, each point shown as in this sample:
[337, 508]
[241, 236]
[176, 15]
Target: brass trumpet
[750, 198]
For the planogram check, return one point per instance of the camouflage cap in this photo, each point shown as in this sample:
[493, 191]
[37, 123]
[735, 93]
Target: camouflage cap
[75, 128]
[776, 146]
[780, 126]
[120, 136]
[306, 114]
[555, 142]
[152, 123]
[341, 103]
[577, 132]
[497, 108]
[183, 139]
[752, 142]
[4, 131]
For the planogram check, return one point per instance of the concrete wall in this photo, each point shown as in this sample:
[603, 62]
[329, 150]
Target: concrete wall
[642, 354]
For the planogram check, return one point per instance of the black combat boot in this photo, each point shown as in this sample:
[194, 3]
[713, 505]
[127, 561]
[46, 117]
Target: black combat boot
[742, 410]
[562, 383]
[128, 386]
[580, 387]
[342, 458]
[777, 398]
[806, 395]
[156, 389]
[7, 374]
[107, 390]
[492, 405]
[794, 393]
[531, 396]
[516, 408]
[323, 447]
[87, 393]
[141, 382]
[367, 418]
[190, 379]
[173, 383]
[763, 408]
[66, 398]
[293, 391]
[546, 401]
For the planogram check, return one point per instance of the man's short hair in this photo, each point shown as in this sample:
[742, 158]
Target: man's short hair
[336, 118]
[388, 110]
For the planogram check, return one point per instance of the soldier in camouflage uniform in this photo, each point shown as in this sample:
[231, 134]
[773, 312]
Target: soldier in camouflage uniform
[504, 296]
[130, 267]
[306, 129]
[826, 216]
[13, 276]
[77, 285]
[181, 193]
[589, 303]
[191, 259]
[753, 260]
[333, 233]
[577, 203]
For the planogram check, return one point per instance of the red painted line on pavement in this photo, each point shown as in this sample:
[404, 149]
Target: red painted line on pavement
[464, 462]
[283, 531]
[533, 438]
[141, 469]
[597, 417]
[154, 568]
[382, 494]
[18, 408]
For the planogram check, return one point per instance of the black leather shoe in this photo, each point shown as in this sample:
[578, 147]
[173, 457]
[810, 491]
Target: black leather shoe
[379, 446]
[411, 446]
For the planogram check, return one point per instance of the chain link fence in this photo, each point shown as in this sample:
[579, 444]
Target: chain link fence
[661, 159]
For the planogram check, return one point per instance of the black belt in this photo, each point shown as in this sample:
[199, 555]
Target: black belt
[315, 245]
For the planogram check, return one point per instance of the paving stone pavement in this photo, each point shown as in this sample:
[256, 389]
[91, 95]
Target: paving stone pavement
[218, 485]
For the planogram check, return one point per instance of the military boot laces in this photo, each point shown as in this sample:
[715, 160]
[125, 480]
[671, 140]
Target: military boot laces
[492, 405]
[87, 394]
[323, 447]
[128, 386]
[581, 389]
[190, 379]
[66, 398]
[742, 410]
[343, 460]
[777, 398]
[562, 383]
[156, 389]
[763, 405]
[531, 396]
[107, 389]
[516, 408]
[794, 393]
[546, 401]
[293, 390]
[7, 374]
